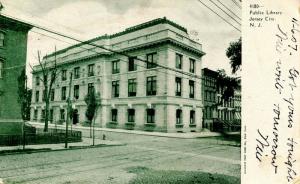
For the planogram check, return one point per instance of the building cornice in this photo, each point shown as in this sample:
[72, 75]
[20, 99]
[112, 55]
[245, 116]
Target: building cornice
[138, 27]
[129, 49]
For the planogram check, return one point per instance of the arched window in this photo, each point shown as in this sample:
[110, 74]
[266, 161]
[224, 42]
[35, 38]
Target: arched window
[2, 35]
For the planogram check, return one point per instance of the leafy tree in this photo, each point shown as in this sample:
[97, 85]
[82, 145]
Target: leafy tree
[234, 53]
[24, 96]
[227, 85]
[91, 110]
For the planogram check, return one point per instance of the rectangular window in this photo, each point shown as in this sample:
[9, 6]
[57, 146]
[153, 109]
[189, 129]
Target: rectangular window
[51, 115]
[192, 117]
[151, 86]
[178, 86]
[150, 116]
[2, 36]
[63, 93]
[151, 60]
[44, 95]
[115, 88]
[76, 72]
[178, 61]
[43, 114]
[62, 114]
[76, 91]
[131, 64]
[192, 88]
[131, 115]
[90, 70]
[116, 66]
[132, 87]
[37, 80]
[35, 114]
[192, 65]
[114, 115]
[52, 95]
[178, 116]
[64, 75]
[37, 96]
[90, 88]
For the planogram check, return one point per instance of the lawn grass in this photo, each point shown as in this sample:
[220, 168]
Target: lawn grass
[150, 176]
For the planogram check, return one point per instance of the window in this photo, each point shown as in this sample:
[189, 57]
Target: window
[76, 72]
[116, 66]
[132, 87]
[150, 116]
[2, 36]
[114, 115]
[37, 80]
[192, 65]
[64, 75]
[35, 114]
[131, 115]
[219, 99]
[151, 60]
[131, 64]
[90, 70]
[62, 114]
[44, 95]
[178, 116]
[43, 114]
[37, 96]
[178, 61]
[90, 88]
[151, 85]
[63, 93]
[192, 117]
[76, 92]
[51, 115]
[1, 69]
[115, 88]
[52, 94]
[192, 88]
[178, 86]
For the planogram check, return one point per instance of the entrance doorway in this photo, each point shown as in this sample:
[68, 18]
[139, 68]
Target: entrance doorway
[75, 117]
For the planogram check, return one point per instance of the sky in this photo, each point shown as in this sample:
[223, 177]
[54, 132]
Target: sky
[86, 19]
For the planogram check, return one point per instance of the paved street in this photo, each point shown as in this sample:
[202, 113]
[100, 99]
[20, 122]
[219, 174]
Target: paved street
[111, 164]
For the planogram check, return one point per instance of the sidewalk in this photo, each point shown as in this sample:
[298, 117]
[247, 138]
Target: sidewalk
[86, 143]
[187, 135]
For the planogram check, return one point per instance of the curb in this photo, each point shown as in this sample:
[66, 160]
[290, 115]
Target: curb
[39, 150]
[129, 132]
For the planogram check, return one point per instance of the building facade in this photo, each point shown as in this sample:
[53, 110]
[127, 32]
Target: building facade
[216, 110]
[13, 48]
[155, 87]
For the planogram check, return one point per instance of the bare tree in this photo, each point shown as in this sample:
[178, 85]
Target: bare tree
[49, 73]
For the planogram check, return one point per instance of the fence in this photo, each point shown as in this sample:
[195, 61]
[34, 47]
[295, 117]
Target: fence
[53, 136]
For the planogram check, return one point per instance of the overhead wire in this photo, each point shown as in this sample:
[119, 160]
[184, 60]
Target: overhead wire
[126, 61]
[236, 3]
[219, 15]
[96, 45]
[229, 10]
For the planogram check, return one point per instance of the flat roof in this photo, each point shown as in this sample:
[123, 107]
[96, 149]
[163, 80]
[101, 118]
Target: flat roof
[144, 25]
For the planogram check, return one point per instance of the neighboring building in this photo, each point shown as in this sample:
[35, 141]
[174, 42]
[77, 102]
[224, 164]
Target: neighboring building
[134, 94]
[216, 111]
[209, 96]
[13, 48]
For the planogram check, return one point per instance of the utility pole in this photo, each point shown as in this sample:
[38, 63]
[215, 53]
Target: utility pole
[68, 110]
